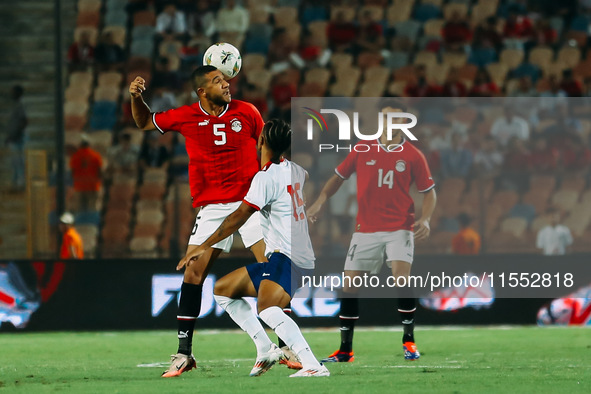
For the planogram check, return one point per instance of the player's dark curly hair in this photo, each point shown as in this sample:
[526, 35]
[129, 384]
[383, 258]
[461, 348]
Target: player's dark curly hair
[277, 134]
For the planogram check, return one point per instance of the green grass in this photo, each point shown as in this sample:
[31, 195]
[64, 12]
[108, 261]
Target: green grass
[476, 360]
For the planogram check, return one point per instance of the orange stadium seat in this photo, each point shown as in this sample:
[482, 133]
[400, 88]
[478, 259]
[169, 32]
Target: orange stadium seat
[144, 18]
[285, 16]
[515, 226]
[151, 191]
[101, 140]
[260, 78]
[433, 27]
[89, 5]
[113, 215]
[396, 14]
[122, 192]
[542, 183]
[511, 58]
[88, 19]
[569, 56]
[107, 93]
[541, 56]
[452, 8]
[348, 12]
[81, 79]
[575, 184]
[143, 247]
[343, 88]
[318, 75]
[118, 33]
[253, 61]
[377, 12]
[111, 78]
[482, 10]
[319, 32]
[538, 199]
[341, 60]
[351, 74]
[259, 14]
[76, 108]
[396, 88]
[539, 222]
[369, 59]
[498, 73]
[377, 74]
[75, 122]
[150, 230]
[565, 199]
[506, 199]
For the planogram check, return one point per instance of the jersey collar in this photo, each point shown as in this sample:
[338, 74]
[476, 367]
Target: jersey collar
[208, 114]
[266, 166]
[383, 147]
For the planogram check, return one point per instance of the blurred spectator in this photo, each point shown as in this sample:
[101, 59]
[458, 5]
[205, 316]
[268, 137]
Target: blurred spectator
[232, 23]
[152, 153]
[422, 88]
[282, 92]
[516, 165]
[554, 238]
[179, 163]
[162, 99]
[86, 165]
[165, 73]
[456, 162]
[312, 52]
[488, 159]
[483, 55]
[370, 34]
[15, 138]
[528, 70]
[171, 22]
[170, 48]
[571, 86]
[524, 88]
[508, 127]
[123, 157]
[280, 49]
[202, 22]
[187, 95]
[518, 27]
[565, 125]
[81, 53]
[456, 33]
[487, 31]
[453, 86]
[483, 85]
[575, 156]
[257, 97]
[552, 98]
[544, 158]
[467, 240]
[109, 55]
[71, 246]
[341, 33]
[543, 33]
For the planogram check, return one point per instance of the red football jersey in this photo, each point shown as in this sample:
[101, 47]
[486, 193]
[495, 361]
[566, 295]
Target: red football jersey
[222, 149]
[383, 184]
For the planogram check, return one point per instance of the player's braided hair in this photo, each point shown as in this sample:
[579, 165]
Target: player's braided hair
[277, 134]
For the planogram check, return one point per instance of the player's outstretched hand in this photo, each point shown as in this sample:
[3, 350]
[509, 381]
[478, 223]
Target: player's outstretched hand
[422, 229]
[137, 87]
[190, 257]
[313, 212]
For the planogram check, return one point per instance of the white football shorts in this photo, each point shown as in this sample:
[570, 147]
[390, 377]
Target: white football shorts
[367, 250]
[211, 216]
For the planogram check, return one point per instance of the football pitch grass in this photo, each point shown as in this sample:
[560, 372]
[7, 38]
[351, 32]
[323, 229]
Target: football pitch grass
[466, 360]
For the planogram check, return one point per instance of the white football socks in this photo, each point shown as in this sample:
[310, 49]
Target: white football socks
[241, 312]
[288, 330]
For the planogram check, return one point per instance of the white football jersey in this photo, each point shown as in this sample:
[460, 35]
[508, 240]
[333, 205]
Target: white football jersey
[276, 191]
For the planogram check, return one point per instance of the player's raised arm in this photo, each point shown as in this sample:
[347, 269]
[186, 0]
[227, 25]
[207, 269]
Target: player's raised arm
[331, 187]
[139, 109]
[422, 227]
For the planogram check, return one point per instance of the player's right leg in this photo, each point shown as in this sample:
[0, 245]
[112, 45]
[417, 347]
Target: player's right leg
[188, 311]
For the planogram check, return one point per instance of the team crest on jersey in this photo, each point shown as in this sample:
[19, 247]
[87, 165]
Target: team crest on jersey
[400, 165]
[236, 125]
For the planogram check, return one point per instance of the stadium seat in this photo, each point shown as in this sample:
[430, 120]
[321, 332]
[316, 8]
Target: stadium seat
[258, 13]
[554, 69]
[369, 59]
[152, 216]
[343, 88]
[313, 13]
[539, 222]
[145, 205]
[341, 60]
[493, 214]
[377, 12]
[348, 12]
[78, 94]
[498, 73]
[107, 93]
[114, 236]
[91, 31]
[511, 58]
[452, 8]
[116, 18]
[151, 191]
[569, 56]
[89, 5]
[142, 48]
[541, 56]
[525, 211]
[371, 89]
[377, 74]
[76, 108]
[433, 27]
[144, 18]
[319, 32]
[565, 199]
[400, 12]
[348, 74]
[111, 78]
[577, 223]
[453, 187]
[123, 192]
[409, 29]
[150, 230]
[143, 247]
[506, 199]
[544, 183]
[88, 19]
[81, 79]
[425, 58]
[537, 200]
[285, 17]
[101, 141]
[481, 11]
[318, 75]
[574, 184]
[75, 122]
[406, 74]
[112, 215]
[253, 61]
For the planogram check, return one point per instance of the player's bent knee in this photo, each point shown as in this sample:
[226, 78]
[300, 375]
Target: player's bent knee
[222, 288]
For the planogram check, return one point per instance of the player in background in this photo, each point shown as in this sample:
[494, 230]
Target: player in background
[221, 135]
[385, 223]
[275, 192]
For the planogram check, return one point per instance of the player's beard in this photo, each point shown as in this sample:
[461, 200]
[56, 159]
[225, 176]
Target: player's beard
[221, 100]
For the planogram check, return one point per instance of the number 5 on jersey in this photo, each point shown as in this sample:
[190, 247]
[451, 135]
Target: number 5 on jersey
[217, 130]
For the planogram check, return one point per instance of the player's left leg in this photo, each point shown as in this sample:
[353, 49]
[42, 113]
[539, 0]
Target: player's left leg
[228, 293]
[406, 308]
[272, 299]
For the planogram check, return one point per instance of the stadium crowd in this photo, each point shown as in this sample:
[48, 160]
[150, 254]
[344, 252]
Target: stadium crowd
[504, 167]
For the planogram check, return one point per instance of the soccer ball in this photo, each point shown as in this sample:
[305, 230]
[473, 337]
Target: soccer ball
[225, 57]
